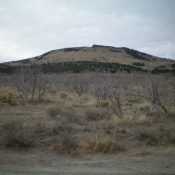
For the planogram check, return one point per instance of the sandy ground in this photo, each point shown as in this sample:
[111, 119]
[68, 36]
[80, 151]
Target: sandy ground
[37, 162]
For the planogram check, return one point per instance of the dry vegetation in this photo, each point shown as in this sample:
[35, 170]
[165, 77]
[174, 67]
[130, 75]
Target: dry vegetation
[87, 113]
[101, 54]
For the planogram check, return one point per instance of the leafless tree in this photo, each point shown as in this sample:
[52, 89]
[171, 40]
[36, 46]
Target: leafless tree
[29, 83]
[110, 87]
[100, 89]
[161, 95]
[79, 85]
[115, 95]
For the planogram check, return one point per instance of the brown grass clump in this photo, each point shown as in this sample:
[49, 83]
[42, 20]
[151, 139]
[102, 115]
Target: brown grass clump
[105, 145]
[141, 120]
[145, 108]
[157, 137]
[104, 104]
[97, 114]
[53, 111]
[67, 143]
[150, 139]
[60, 127]
[63, 95]
[171, 114]
[52, 91]
[66, 114]
[16, 136]
[131, 101]
[127, 121]
[9, 99]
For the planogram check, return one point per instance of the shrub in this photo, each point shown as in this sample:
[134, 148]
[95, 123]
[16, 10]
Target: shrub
[69, 143]
[171, 114]
[132, 100]
[103, 104]
[60, 127]
[138, 64]
[149, 138]
[63, 95]
[130, 121]
[82, 66]
[105, 145]
[52, 91]
[53, 111]
[159, 137]
[9, 98]
[97, 114]
[16, 136]
[158, 70]
[62, 113]
[171, 137]
[145, 108]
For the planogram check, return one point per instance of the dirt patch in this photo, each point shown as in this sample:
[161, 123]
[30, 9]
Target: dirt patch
[37, 162]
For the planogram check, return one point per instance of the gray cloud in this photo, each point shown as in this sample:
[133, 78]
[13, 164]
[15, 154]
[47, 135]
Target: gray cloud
[30, 28]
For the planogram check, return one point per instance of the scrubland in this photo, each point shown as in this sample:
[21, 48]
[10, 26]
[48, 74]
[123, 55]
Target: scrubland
[88, 114]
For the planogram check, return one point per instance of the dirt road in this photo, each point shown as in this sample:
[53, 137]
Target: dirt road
[35, 162]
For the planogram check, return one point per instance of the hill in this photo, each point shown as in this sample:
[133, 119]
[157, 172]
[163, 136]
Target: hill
[96, 58]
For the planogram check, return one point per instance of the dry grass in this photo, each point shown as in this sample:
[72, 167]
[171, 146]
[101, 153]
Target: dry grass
[62, 113]
[68, 125]
[171, 114]
[104, 104]
[52, 91]
[63, 95]
[16, 136]
[167, 150]
[65, 144]
[9, 99]
[157, 136]
[97, 54]
[8, 96]
[127, 121]
[97, 114]
[105, 145]
[54, 111]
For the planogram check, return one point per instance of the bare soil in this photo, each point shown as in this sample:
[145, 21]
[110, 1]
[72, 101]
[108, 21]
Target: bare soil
[38, 162]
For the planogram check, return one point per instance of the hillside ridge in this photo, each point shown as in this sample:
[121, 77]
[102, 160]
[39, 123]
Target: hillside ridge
[99, 57]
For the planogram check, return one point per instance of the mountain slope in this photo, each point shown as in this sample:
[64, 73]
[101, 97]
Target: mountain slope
[103, 55]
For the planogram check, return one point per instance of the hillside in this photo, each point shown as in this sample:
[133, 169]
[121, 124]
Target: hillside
[96, 58]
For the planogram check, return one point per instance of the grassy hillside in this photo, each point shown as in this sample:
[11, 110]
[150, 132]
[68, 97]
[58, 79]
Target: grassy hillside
[96, 58]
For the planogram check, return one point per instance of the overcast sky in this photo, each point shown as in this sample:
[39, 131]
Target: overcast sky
[31, 27]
